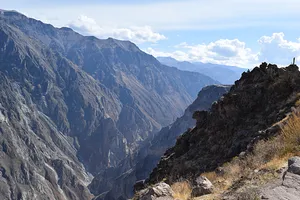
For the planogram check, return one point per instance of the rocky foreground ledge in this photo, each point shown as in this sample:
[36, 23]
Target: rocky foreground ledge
[287, 188]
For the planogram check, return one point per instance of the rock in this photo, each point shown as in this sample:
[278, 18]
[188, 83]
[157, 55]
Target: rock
[242, 154]
[294, 165]
[139, 185]
[202, 186]
[281, 170]
[160, 191]
[220, 171]
[290, 189]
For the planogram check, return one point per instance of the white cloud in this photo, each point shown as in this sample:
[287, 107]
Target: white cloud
[223, 51]
[276, 49]
[169, 15]
[178, 55]
[89, 26]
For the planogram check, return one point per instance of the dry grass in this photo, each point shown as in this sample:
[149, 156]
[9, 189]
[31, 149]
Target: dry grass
[291, 135]
[268, 155]
[182, 190]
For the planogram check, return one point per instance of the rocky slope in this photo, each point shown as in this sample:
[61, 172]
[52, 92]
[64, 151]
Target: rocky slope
[166, 137]
[222, 73]
[149, 154]
[71, 104]
[258, 100]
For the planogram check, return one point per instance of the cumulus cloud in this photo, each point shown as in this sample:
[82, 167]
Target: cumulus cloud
[89, 26]
[223, 51]
[276, 49]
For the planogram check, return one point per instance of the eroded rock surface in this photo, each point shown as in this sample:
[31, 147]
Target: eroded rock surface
[289, 187]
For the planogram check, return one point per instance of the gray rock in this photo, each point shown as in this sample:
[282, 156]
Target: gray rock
[289, 190]
[160, 191]
[294, 165]
[139, 185]
[202, 186]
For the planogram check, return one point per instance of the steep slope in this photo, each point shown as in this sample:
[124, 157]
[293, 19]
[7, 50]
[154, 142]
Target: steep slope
[166, 137]
[222, 73]
[149, 154]
[258, 100]
[91, 103]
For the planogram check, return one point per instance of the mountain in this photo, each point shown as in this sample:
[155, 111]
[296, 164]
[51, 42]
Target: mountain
[251, 111]
[74, 106]
[222, 73]
[149, 154]
[167, 136]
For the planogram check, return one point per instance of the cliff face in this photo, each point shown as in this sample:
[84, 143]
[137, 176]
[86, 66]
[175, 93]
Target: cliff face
[258, 100]
[71, 104]
[166, 138]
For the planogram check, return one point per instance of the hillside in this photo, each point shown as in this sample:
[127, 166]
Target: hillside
[73, 106]
[248, 113]
[150, 152]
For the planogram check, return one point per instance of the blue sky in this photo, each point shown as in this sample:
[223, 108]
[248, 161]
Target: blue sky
[232, 32]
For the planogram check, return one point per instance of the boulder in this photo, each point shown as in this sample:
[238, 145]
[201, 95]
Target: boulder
[139, 185]
[160, 191]
[294, 165]
[202, 186]
[289, 187]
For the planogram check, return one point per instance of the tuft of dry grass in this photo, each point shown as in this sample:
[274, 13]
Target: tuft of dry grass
[267, 155]
[182, 190]
[291, 135]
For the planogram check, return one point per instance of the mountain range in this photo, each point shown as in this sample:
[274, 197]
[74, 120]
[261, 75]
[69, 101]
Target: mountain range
[223, 73]
[73, 107]
[148, 155]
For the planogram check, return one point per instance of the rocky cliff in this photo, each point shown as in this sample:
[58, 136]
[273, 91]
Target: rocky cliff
[255, 103]
[72, 104]
[143, 162]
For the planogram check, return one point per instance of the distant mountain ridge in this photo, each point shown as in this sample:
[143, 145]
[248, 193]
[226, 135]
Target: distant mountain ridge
[222, 73]
[74, 106]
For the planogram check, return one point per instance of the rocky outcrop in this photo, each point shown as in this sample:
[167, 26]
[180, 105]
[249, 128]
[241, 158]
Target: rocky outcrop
[160, 191]
[71, 103]
[258, 100]
[290, 187]
[202, 186]
[148, 156]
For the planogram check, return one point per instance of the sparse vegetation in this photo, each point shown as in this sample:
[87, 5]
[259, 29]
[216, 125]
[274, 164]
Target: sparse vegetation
[259, 166]
[182, 190]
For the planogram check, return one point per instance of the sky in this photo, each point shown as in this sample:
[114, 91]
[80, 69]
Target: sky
[242, 33]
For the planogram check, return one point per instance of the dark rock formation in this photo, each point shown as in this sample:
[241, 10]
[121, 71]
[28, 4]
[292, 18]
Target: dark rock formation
[71, 103]
[259, 99]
